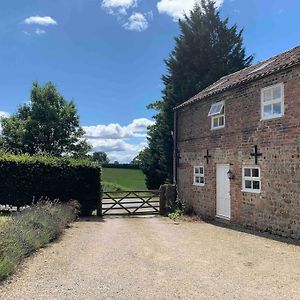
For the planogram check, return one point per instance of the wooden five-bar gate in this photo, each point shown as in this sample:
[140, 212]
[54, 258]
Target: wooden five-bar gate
[130, 203]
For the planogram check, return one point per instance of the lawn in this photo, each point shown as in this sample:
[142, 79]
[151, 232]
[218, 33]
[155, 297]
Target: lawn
[126, 178]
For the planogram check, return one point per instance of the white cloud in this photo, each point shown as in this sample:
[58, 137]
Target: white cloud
[177, 8]
[118, 6]
[40, 31]
[136, 22]
[43, 21]
[121, 8]
[121, 143]
[138, 128]
[3, 114]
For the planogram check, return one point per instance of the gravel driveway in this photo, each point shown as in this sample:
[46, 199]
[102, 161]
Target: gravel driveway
[155, 258]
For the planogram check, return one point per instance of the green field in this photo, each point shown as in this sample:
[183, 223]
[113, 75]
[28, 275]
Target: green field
[127, 179]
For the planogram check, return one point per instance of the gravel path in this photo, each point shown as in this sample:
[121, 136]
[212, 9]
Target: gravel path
[155, 258]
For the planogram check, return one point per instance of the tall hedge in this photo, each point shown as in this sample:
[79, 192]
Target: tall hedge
[25, 179]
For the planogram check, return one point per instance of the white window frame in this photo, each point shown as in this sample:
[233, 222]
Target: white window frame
[199, 175]
[272, 102]
[218, 117]
[221, 104]
[251, 178]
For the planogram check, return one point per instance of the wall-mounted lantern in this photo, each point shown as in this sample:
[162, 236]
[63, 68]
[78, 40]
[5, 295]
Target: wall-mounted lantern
[230, 175]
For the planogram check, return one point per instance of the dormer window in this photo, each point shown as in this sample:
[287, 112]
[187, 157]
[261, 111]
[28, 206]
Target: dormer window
[217, 114]
[272, 102]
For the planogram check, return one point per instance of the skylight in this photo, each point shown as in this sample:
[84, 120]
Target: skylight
[216, 108]
[261, 66]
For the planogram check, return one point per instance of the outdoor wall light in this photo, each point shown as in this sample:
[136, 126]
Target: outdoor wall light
[230, 175]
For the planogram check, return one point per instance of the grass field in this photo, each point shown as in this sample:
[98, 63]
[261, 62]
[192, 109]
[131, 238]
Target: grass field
[126, 178]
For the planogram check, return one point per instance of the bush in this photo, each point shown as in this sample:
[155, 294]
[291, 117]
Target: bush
[112, 187]
[31, 229]
[26, 179]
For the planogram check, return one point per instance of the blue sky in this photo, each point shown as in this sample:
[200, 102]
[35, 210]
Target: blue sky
[107, 55]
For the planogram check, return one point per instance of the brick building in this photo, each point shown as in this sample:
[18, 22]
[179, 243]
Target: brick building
[237, 153]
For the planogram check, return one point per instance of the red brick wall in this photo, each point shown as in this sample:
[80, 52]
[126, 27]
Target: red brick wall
[277, 208]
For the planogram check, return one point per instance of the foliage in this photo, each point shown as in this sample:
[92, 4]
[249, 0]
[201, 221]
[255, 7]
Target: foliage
[30, 230]
[177, 214]
[126, 178]
[206, 49]
[121, 166]
[100, 157]
[136, 160]
[25, 179]
[112, 187]
[46, 124]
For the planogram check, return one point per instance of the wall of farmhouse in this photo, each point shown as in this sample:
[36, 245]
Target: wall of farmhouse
[277, 208]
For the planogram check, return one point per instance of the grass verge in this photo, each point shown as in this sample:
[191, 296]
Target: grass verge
[126, 178]
[31, 229]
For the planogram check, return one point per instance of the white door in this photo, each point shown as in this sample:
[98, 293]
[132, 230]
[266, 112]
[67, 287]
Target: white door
[223, 192]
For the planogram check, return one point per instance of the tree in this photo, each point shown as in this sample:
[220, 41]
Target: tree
[136, 160]
[100, 157]
[46, 124]
[207, 49]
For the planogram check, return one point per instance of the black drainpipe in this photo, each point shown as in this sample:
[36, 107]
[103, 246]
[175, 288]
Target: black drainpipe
[175, 149]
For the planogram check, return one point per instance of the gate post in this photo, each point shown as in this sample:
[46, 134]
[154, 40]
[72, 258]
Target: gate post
[99, 208]
[167, 198]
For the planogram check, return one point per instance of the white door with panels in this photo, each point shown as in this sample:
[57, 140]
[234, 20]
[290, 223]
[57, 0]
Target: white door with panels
[223, 192]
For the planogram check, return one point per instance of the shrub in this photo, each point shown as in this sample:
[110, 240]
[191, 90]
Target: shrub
[26, 179]
[112, 187]
[31, 229]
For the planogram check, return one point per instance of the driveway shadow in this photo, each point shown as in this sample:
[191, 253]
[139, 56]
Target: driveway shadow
[255, 232]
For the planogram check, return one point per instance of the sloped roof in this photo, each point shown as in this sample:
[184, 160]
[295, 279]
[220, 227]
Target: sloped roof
[254, 72]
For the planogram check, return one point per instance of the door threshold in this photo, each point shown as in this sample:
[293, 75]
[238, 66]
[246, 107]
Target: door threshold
[222, 218]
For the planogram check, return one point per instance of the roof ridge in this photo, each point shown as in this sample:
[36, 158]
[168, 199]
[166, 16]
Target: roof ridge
[276, 63]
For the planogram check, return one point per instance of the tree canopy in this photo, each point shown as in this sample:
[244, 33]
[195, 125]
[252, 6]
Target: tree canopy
[100, 157]
[46, 124]
[206, 49]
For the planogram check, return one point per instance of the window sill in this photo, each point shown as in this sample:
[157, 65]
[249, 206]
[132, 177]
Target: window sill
[251, 191]
[198, 184]
[271, 118]
[217, 128]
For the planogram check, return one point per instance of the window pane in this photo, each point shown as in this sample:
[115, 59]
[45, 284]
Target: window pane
[196, 170]
[248, 184]
[256, 185]
[277, 92]
[268, 110]
[277, 108]
[216, 108]
[267, 95]
[201, 170]
[255, 172]
[197, 179]
[215, 122]
[247, 172]
[201, 179]
[221, 121]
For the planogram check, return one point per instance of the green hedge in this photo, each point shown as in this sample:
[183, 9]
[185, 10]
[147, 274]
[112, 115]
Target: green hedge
[26, 179]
